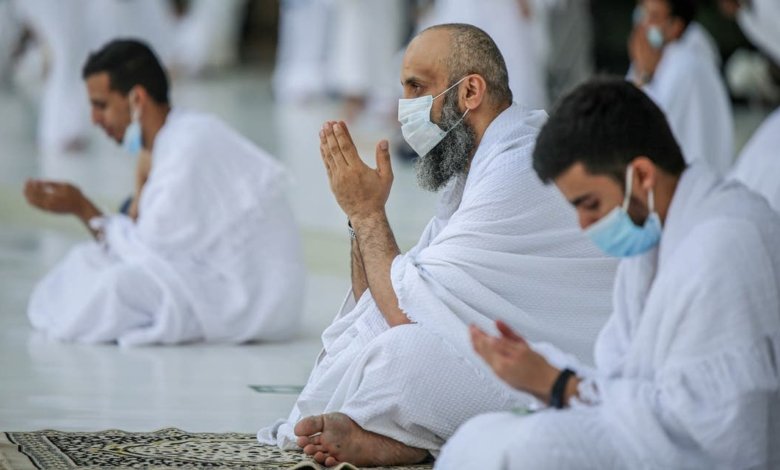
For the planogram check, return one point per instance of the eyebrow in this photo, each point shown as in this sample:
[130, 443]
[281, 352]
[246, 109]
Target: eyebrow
[411, 80]
[579, 200]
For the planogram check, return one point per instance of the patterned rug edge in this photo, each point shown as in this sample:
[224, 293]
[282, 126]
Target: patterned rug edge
[22, 451]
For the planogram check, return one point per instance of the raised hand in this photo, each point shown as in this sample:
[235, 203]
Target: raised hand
[60, 198]
[55, 197]
[359, 189]
[644, 57]
[512, 359]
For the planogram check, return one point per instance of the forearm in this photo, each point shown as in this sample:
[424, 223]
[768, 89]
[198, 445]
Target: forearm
[87, 211]
[359, 281]
[378, 248]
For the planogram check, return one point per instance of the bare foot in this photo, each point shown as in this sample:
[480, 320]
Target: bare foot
[334, 438]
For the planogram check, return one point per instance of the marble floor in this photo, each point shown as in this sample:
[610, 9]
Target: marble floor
[45, 384]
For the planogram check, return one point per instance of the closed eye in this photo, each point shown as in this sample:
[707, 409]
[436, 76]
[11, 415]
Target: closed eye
[591, 205]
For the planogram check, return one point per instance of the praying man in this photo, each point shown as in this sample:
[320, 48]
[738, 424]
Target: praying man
[686, 369]
[397, 374]
[211, 252]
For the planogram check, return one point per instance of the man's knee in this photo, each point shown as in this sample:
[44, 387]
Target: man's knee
[407, 340]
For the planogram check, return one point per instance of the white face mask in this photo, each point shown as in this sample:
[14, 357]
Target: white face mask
[418, 130]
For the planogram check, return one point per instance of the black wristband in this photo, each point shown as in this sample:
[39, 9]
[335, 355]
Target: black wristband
[559, 387]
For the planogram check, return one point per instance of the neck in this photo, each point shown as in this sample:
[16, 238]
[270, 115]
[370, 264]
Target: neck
[481, 122]
[153, 121]
[664, 194]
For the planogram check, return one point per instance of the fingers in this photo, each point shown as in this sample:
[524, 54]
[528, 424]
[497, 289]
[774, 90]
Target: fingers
[346, 145]
[37, 192]
[332, 145]
[480, 342]
[383, 162]
[507, 332]
[491, 348]
[325, 154]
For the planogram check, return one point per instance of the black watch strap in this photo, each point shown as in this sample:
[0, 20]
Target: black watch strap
[559, 387]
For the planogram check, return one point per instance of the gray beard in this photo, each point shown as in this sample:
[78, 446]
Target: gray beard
[451, 156]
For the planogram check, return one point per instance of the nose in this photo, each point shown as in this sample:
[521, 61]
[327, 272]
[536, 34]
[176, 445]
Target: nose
[586, 219]
[97, 117]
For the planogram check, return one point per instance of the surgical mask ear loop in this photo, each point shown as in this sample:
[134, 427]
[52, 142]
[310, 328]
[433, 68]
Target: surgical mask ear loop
[629, 183]
[627, 197]
[450, 88]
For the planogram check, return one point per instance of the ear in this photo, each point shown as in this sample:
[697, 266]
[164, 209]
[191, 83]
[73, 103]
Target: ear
[472, 91]
[138, 97]
[645, 174]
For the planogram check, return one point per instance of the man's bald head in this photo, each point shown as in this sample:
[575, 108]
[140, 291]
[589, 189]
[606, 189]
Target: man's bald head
[473, 51]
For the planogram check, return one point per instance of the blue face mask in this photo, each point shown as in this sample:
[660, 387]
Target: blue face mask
[655, 37]
[132, 141]
[654, 34]
[617, 235]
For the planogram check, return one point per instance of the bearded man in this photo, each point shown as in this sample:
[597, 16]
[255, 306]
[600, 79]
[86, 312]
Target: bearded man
[397, 374]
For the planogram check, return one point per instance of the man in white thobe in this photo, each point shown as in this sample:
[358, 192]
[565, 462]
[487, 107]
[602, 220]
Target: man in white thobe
[676, 63]
[397, 376]
[213, 254]
[686, 367]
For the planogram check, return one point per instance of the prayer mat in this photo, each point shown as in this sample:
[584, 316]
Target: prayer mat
[163, 449]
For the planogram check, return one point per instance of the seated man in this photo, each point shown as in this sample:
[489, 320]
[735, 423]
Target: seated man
[214, 253]
[677, 64]
[686, 367]
[397, 375]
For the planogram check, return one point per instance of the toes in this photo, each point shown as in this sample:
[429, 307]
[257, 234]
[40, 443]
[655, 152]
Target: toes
[311, 449]
[304, 441]
[320, 457]
[331, 461]
[309, 425]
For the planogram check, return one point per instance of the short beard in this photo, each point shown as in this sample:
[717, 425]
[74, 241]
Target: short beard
[452, 155]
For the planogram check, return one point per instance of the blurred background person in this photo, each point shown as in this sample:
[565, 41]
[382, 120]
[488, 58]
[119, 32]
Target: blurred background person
[208, 35]
[676, 62]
